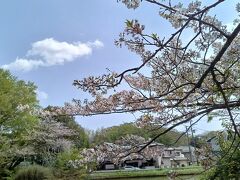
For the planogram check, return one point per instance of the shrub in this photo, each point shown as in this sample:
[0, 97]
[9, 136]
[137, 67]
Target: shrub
[67, 166]
[33, 173]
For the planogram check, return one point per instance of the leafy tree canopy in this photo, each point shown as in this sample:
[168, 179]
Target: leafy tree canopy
[17, 103]
[116, 132]
[227, 165]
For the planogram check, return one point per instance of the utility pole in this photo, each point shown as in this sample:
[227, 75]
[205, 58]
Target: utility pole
[190, 152]
[194, 142]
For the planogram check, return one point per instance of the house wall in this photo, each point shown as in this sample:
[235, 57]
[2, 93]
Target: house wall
[166, 162]
[183, 163]
[109, 166]
[136, 163]
[179, 163]
[159, 161]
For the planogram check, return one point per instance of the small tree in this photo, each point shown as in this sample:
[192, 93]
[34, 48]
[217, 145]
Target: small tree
[80, 137]
[49, 138]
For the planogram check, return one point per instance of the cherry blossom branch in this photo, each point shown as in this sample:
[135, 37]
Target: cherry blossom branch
[192, 16]
[226, 103]
[214, 62]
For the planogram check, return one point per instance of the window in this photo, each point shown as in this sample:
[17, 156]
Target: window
[177, 153]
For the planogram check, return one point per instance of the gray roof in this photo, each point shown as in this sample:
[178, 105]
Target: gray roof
[185, 149]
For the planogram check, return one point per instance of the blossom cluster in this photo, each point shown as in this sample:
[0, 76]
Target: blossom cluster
[179, 79]
[97, 84]
[124, 149]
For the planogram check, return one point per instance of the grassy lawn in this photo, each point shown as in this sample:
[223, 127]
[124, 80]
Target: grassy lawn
[194, 170]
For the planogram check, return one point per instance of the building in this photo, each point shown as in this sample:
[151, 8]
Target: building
[173, 157]
[213, 143]
[155, 155]
[189, 153]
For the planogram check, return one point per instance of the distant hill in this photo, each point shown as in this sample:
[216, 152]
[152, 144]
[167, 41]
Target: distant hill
[116, 132]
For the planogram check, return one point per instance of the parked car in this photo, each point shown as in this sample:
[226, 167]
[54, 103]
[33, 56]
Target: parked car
[130, 168]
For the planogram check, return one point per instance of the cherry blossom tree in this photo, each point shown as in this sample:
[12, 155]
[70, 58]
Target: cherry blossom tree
[187, 79]
[49, 139]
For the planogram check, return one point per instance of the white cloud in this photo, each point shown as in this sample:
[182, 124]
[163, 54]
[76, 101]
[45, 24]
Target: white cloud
[23, 65]
[97, 44]
[41, 95]
[50, 52]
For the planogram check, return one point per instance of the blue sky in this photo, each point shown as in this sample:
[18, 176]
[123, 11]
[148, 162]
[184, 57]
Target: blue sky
[72, 39]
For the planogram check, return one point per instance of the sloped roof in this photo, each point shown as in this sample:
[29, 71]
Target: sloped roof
[185, 149]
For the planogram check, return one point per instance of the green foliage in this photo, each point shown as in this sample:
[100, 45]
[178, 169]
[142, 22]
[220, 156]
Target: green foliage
[210, 118]
[17, 101]
[34, 173]
[5, 173]
[66, 156]
[129, 23]
[208, 135]
[228, 164]
[154, 36]
[15, 94]
[197, 142]
[208, 174]
[169, 138]
[201, 139]
[67, 166]
[116, 132]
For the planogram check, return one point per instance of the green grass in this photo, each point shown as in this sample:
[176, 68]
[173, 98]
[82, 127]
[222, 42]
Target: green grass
[191, 170]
